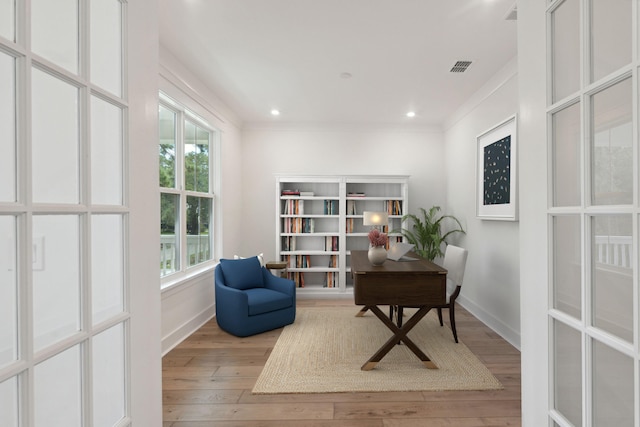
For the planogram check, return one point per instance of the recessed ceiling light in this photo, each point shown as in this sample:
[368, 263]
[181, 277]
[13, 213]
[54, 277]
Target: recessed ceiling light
[275, 112]
[411, 114]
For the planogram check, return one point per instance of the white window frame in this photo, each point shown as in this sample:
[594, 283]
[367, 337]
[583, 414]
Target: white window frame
[183, 114]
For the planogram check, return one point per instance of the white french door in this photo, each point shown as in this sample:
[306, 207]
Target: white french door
[593, 213]
[64, 315]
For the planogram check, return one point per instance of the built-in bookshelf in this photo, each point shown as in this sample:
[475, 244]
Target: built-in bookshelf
[319, 222]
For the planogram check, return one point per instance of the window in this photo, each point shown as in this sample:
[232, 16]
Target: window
[186, 190]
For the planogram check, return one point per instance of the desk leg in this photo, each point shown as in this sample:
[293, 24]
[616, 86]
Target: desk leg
[362, 311]
[400, 334]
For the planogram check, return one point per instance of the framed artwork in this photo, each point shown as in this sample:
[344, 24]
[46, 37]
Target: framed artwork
[496, 178]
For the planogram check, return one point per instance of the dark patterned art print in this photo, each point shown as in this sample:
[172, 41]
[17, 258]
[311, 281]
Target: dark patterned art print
[497, 172]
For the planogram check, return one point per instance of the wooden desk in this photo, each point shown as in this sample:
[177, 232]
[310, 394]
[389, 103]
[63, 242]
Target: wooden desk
[418, 283]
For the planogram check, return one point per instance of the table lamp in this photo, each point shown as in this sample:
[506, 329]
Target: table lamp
[375, 219]
[377, 253]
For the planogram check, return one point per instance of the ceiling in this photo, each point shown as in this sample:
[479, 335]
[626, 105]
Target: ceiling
[292, 55]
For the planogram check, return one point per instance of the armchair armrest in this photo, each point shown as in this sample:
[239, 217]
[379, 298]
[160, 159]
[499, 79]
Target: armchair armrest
[279, 284]
[229, 296]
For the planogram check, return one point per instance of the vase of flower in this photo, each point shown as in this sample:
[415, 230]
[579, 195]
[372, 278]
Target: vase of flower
[377, 252]
[377, 255]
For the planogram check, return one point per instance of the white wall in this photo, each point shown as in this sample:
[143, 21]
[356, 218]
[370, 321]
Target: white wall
[333, 150]
[491, 289]
[187, 305]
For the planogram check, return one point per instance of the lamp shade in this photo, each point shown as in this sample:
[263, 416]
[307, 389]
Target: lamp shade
[375, 218]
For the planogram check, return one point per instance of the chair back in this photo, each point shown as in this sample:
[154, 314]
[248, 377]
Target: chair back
[455, 259]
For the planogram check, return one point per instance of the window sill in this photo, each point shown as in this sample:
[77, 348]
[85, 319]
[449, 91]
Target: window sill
[182, 280]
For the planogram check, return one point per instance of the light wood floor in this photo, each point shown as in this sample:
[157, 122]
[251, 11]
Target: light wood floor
[207, 381]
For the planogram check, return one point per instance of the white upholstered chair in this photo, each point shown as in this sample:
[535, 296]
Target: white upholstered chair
[455, 259]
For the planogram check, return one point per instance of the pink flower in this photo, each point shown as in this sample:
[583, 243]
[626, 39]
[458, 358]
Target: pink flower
[377, 238]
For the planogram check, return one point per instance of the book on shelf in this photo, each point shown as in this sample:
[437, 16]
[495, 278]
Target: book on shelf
[289, 243]
[293, 207]
[290, 192]
[351, 207]
[297, 261]
[333, 261]
[331, 207]
[331, 243]
[356, 194]
[331, 279]
[349, 225]
[393, 207]
[306, 193]
[297, 277]
[299, 225]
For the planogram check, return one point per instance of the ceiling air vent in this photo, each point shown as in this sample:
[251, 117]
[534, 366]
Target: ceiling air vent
[460, 66]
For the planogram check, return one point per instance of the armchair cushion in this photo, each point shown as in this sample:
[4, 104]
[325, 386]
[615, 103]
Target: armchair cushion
[242, 273]
[263, 300]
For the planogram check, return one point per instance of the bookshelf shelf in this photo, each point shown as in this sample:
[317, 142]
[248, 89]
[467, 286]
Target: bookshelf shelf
[329, 210]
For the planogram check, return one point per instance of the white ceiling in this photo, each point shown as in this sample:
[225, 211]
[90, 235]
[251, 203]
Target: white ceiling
[257, 55]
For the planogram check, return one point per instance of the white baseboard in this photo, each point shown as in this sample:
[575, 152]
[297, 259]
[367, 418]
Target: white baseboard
[509, 334]
[185, 330]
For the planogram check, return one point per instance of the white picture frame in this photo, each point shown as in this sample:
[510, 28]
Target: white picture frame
[497, 172]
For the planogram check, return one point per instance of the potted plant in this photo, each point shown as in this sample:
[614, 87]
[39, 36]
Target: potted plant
[426, 233]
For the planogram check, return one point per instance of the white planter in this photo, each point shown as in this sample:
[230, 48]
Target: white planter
[377, 255]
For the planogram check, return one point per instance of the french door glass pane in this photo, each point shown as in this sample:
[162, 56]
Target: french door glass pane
[56, 278]
[9, 399]
[108, 377]
[567, 265]
[169, 229]
[611, 146]
[106, 153]
[611, 49]
[106, 45]
[196, 158]
[167, 161]
[566, 156]
[55, 133]
[7, 128]
[567, 359]
[198, 238]
[57, 390]
[54, 31]
[107, 266]
[8, 291]
[565, 21]
[7, 19]
[613, 396]
[612, 261]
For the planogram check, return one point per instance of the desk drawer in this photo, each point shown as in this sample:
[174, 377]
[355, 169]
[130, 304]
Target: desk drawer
[381, 289]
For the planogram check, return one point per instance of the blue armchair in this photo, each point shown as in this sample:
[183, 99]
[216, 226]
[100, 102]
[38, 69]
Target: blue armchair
[251, 300]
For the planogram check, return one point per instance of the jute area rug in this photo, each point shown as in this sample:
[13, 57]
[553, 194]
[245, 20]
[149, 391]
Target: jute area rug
[323, 350]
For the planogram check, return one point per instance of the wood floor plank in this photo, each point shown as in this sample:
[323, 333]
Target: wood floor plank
[207, 381]
[442, 409]
[280, 423]
[248, 397]
[200, 397]
[255, 412]
[454, 422]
